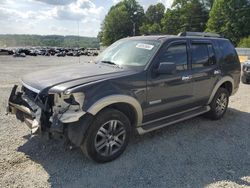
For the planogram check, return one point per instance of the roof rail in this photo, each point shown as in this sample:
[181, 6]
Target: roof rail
[199, 34]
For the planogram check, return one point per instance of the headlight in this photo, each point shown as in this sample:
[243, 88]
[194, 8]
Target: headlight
[69, 99]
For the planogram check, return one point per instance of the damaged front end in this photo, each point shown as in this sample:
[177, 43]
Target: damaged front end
[44, 112]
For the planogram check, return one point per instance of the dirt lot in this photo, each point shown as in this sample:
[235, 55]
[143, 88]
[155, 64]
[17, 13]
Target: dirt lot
[194, 153]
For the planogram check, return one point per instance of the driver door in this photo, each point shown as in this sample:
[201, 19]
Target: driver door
[170, 93]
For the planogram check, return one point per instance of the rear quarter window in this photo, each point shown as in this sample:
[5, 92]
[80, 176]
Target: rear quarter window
[228, 52]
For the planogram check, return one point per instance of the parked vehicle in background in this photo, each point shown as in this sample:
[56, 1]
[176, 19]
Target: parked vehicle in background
[6, 52]
[91, 52]
[50, 51]
[137, 84]
[17, 54]
[246, 72]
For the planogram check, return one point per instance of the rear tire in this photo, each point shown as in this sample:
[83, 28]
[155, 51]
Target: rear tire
[107, 137]
[218, 105]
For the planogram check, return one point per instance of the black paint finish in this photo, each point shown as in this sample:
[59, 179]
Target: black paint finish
[159, 94]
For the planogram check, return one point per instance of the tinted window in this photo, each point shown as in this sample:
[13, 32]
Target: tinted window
[202, 55]
[212, 58]
[228, 52]
[177, 54]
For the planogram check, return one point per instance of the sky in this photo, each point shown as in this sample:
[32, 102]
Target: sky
[61, 17]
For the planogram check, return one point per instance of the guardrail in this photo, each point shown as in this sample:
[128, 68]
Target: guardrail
[243, 53]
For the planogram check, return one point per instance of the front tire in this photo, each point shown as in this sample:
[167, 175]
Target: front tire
[218, 105]
[107, 137]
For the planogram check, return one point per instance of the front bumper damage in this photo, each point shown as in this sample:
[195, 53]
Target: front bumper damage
[24, 109]
[44, 113]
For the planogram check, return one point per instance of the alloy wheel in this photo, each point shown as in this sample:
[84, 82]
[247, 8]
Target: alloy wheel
[221, 104]
[110, 138]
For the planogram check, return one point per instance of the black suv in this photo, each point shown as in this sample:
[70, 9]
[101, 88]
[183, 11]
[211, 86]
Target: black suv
[137, 84]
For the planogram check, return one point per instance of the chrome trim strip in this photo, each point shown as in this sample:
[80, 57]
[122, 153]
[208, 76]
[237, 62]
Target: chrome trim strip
[159, 119]
[155, 102]
[30, 88]
[143, 131]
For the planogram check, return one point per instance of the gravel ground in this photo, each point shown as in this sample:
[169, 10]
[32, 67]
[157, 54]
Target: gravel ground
[194, 153]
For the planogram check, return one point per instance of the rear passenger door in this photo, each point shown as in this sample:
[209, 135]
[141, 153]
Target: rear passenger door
[205, 70]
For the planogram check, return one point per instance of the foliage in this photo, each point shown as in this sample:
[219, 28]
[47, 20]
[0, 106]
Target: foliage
[172, 22]
[206, 3]
[153, 17]
[185, 16]
[49, 40]
[227, 17]
[230, 18]
[245, 42]
[120, 20]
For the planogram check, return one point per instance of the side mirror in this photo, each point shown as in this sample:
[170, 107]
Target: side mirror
[166, 68]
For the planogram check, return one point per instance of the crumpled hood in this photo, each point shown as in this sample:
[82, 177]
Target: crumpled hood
[65, 77]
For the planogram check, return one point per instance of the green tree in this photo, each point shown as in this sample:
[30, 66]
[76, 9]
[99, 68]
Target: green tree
[171, 22]
[230, 18]
[185, 16]
[206, 3]
[152, 21]
[245, 42]
[121, 21]
[155, 13]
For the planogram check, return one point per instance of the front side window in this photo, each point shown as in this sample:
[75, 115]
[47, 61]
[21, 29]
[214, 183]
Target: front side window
[130, 52]
[176, 53]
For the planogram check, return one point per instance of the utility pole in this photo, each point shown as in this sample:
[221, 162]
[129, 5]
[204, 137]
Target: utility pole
[133, 20]
[78, 38]
[133, 28]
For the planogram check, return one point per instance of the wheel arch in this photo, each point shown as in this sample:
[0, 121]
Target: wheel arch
[121, 103]
[226, 82]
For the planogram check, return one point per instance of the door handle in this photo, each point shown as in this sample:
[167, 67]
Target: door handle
[186, 77]
[216, 72]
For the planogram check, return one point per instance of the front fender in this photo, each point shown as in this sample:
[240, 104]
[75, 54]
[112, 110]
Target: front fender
[112, 99]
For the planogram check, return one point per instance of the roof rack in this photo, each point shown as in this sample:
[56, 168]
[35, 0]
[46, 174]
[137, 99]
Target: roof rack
[199, 34]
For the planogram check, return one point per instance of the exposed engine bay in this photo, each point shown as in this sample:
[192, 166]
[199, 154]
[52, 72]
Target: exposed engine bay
[45, 112]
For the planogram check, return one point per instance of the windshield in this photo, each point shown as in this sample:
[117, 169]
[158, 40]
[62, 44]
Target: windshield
[129, 52]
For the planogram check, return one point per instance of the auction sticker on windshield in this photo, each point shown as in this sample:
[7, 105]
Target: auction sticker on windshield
[144, 46]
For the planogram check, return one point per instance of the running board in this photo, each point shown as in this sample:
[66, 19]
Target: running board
[169, 120]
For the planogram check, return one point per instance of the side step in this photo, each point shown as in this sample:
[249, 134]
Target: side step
[169, 120]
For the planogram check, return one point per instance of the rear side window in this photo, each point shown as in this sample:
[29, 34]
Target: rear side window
[176, 53]
[228, 52]
[202, 55]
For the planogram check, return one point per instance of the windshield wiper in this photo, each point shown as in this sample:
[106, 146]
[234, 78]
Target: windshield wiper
[109, 62]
